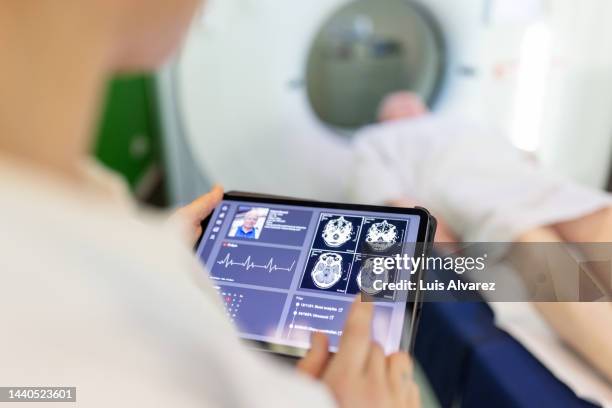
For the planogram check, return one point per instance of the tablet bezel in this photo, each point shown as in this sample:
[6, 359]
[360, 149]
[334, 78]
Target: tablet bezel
[425, 237]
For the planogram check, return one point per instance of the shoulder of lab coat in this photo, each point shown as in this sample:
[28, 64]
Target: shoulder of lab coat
[101, 297]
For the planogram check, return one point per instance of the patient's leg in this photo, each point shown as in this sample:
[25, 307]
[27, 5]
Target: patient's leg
[586, 327]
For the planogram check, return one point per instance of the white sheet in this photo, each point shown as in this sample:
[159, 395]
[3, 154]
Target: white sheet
[471, 177]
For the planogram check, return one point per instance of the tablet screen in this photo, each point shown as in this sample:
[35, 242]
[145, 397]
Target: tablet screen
[285, 270]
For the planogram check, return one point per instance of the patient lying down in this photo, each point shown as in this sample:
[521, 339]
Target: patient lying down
[481, 189]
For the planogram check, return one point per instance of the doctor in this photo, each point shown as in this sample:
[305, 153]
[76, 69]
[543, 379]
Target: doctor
[101, 296]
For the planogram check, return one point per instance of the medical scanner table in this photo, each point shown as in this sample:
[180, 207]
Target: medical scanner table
[472, 363]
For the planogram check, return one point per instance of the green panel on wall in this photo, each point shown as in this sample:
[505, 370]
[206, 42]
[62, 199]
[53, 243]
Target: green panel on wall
[128, 139]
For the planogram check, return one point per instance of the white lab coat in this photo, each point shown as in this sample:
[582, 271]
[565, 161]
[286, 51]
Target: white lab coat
[97, 296]
[486, 190]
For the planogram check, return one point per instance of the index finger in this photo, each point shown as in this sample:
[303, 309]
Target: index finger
[354, 345]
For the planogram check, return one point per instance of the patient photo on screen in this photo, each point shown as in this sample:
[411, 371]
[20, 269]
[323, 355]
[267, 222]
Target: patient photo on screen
[248, 222]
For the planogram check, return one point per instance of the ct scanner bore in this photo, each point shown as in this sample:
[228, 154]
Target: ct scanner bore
[368, 49]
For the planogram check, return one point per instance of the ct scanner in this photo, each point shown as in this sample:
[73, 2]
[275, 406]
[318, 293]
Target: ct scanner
[266, 94]
[244, 103]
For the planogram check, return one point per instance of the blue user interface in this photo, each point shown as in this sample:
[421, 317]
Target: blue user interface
[285, 271]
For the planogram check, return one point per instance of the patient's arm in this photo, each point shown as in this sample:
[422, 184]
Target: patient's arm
[586, 327]
[594, 227]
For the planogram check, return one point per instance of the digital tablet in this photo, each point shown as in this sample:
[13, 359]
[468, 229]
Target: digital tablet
[286, 268]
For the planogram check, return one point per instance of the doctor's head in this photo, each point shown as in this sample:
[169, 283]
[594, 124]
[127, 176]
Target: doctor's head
[150, 30]
[142, 34]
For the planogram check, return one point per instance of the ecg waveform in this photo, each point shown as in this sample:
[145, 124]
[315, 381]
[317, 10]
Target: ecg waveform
[249, 264]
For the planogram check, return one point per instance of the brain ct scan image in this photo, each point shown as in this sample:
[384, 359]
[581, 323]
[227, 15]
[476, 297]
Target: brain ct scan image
[327, 271]
[366, 278]
[363, 278]
[382, 235]
[337, 232]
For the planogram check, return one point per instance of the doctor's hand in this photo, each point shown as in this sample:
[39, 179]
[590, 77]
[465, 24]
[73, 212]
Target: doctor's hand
[359, 374]
[200, 208]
